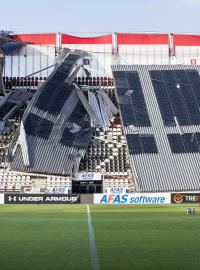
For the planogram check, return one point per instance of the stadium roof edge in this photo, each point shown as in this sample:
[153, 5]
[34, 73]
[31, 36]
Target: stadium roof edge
[45, 38]
[69, 39]
[122, 38]
[186, 39]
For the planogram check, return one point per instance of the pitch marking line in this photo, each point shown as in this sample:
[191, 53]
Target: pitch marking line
[92, 245]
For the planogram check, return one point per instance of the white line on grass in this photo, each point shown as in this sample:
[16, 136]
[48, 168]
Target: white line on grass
[93, 252]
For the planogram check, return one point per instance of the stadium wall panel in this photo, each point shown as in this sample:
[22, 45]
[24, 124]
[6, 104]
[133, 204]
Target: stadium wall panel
[99, 49]
[143, 48]
[187, 55]
[187, 49]
[104, 51]
[30, 59]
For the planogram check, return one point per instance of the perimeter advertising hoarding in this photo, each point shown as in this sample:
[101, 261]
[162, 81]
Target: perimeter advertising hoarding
[185, 197]
[41, 199]
[1, 198]
[133, 198]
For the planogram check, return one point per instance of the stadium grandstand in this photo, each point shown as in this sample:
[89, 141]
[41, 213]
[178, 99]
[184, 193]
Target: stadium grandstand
[81, 114]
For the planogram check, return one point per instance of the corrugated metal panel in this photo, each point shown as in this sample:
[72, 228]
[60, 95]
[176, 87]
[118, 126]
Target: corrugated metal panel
[163, 171]
[40, 153]
[95, 107]
[102, 107]
[49, 155]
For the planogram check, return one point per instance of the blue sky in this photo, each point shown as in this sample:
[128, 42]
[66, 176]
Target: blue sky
[100, 15]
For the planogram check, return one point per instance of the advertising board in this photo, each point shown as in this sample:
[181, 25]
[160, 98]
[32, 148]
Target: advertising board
[185, 197]
[41, 199]
[133, 198]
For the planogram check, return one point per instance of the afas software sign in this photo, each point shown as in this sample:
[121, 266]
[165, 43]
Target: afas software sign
[86, 176]
[41, 199]
[185, 198]
[133, 198]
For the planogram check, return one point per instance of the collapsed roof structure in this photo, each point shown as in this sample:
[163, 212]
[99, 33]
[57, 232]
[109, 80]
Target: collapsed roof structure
[59, 121]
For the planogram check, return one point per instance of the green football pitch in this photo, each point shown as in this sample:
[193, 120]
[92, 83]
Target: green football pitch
[45, 237]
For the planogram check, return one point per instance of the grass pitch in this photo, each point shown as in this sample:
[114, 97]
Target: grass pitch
[51, 237]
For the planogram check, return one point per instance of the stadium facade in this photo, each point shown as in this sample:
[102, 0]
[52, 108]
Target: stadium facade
[120, 133]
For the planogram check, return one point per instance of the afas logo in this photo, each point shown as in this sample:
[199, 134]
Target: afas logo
[178, 198]
[112, 198]
[58, 190]
[115, 190]
[87, 175]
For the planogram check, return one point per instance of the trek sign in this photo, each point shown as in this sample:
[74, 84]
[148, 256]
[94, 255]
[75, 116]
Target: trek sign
[41, 199]
[185, 198]
[133, 198]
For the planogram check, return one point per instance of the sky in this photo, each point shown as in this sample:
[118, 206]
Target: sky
[100, 16]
